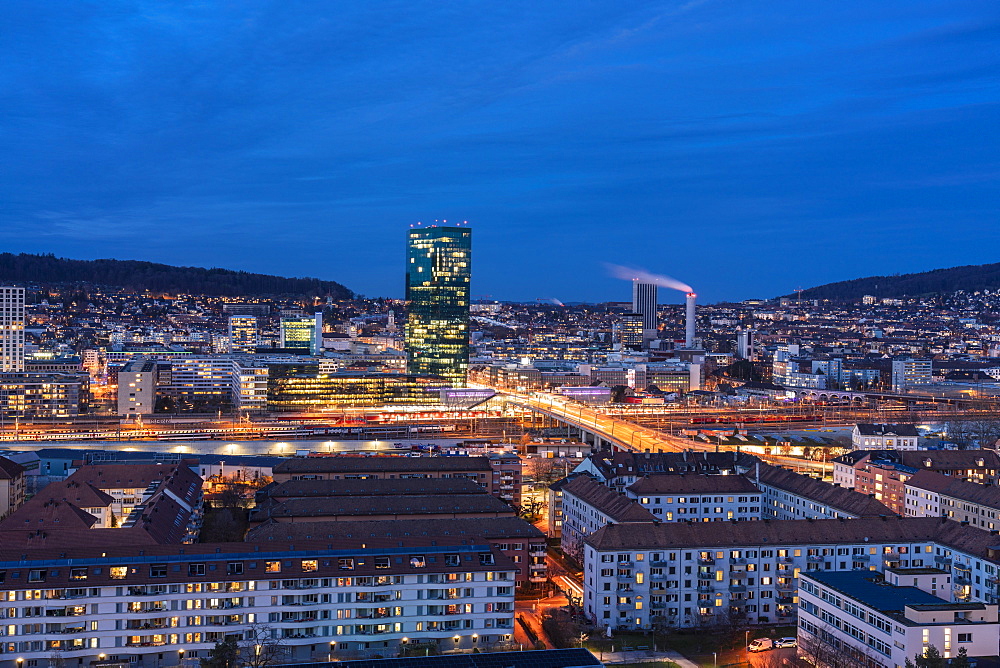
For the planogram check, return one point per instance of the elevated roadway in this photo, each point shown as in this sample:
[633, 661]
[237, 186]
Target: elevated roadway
[629, 436]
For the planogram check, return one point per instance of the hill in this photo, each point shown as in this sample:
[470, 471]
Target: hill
[938, 281]
[159, 278]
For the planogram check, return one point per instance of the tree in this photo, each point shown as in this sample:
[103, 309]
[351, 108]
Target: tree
[931, 658]
[225, 654]
[260, 648]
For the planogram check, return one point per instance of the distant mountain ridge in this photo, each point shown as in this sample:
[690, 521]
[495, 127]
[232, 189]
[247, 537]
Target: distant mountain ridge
[161, 278]
[969, 278]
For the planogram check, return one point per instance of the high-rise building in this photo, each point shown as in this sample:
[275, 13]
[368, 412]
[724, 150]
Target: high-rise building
[303, 333]
[644, 302]
[630, 331]
[11, 329]
[242, 333]
[438, 284]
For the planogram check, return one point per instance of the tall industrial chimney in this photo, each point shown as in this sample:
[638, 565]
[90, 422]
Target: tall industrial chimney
[689, 322]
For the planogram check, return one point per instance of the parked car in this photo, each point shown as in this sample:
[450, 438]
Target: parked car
[760, 645]
[784, 642]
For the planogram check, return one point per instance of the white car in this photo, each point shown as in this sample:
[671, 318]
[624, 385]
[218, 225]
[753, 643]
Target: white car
[760, 645]
[784, 642]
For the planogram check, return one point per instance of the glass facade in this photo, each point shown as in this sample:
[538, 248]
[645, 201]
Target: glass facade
[293, 389]
[438, 284]
[301, 334]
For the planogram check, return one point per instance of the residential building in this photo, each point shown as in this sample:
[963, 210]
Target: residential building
[348, 467]
[438, 285]
[111, 504]
[637, 575]
[790, 496]
[619, 469]
[12, 486]
[885, 481]
[33, 395]
[137, 383]
[697, 497]
[168, 604]
[885, 437]
[911, 373]
[878, 620]
[12, 323]
[587, 506]
[977, 465]
[930, 494]
[395, 507]
[514, 537]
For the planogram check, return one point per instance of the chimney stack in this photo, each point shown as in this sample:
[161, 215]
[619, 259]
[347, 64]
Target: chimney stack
[689, 321]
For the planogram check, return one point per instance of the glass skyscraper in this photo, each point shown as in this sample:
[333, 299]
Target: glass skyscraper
[438, 284]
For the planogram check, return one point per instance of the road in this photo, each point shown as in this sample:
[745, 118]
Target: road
[630, 436]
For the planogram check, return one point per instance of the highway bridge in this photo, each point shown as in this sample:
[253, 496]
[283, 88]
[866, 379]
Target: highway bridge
[607, 430]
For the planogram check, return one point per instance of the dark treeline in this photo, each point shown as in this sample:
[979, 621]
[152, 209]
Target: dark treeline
[160, 278]
[939, 281]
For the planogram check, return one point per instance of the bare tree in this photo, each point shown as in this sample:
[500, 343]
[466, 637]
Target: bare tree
[260, 647]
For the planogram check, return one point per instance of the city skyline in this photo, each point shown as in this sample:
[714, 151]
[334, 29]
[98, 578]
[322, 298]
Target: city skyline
[727, 146]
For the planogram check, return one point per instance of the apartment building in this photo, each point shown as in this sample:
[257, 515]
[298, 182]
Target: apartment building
[587, 506]
[884, 437]
[698, 573]
[885, 481]
[977, 465]
[697, 497]
[394, 507]
[112, 504]
[880, 621]
[12, 486]
[789, 496]
[930, 494]
[519, 540]
[160, 605]
[621, 469]
[347, 467]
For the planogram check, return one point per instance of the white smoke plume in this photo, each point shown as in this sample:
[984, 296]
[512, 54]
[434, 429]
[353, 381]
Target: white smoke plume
[643, 276]
[556, 301]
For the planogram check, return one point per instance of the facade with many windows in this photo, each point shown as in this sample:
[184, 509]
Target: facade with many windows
[886, 621]
[155, 606]
[640, 575]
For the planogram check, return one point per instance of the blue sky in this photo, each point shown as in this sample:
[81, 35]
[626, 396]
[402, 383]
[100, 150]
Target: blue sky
[746, 148]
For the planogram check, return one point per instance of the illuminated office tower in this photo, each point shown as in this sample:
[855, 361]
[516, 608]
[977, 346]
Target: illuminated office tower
[438, 283]
[303, 334]
[644, 302]
[11, 329]
[242, 333]
[630, 329]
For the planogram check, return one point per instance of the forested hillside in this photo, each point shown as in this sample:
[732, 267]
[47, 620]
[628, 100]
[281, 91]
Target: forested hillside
[969, 278]
[161, 278]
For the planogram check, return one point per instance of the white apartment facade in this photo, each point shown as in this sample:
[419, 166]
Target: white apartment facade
[886, 622]
[698, 498]
[637, 576]
[885, 437]
[173, 604]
